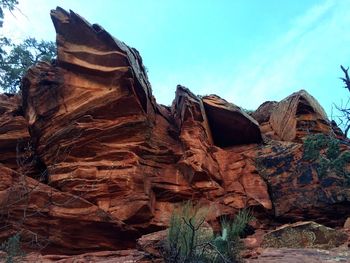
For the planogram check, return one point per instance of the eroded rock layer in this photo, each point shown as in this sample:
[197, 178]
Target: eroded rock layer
[14, 135]
[108, 164]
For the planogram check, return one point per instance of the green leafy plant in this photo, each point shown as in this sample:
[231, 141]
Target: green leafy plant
[12, 248]
[17, 58]
[186, 233]
[6, 4]
[325, 152]
[228, 244]
[189, 240]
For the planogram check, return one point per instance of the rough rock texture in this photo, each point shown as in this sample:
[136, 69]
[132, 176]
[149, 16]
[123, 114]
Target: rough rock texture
[298, 188]
[229, 124]
[298, 115]
[263, 113]
[294, 117]
[100, 136]
[14, 135]
[107, 164]
[121, 256]
[46, 216]
[347, 223]
[304, 235]
[293, 255]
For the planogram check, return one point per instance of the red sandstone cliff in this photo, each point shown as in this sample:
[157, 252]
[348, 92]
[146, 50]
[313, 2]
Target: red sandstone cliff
[101, 163]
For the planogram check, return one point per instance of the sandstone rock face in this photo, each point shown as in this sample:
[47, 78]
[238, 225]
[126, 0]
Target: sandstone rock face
[229, 124]
[304, 235]
[293, 118]
[301, 188]
[298, 115]
[263, 113]
[46, 216]
[347, 223]
[107, 164]
[121, 256]
[96, 127]
[293, 255]
[14, 135]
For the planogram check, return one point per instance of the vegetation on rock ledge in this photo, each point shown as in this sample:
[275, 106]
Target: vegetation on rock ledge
[325, 152]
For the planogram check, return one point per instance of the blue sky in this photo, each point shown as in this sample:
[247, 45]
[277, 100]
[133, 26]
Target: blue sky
[247, 51]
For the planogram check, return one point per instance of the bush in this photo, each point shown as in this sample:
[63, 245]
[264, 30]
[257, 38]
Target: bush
[325, 152]
[12, 248]
[190, 241]
[228, 244]
[186, 233]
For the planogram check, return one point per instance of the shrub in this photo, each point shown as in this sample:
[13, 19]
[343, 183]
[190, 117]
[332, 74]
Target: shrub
[12, 248]
[325, 152]
[186, 233]
[189, 241]
[228, 244]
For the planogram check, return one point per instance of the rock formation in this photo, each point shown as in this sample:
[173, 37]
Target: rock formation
[304, 235]
[103, 163]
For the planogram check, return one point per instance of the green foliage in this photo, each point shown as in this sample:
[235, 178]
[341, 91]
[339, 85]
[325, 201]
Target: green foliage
[15, 62]
[189, 241]
[228, 244]
[13, 250]
[313, 144]
[6, 4]
[325, 151]
[186, 233]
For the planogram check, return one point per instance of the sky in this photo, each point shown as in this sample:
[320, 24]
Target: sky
[246, 51]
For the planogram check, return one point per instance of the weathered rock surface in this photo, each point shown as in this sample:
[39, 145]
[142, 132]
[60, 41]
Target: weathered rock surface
[53, 221]
[293, 118]
[120, 256]
[347, 223]
[14, 135]
[263, 113]
[304, 235]
[298, 115]
[294, 255]
[302, 189]
[229, 124]
[101, 136]
[108, 164]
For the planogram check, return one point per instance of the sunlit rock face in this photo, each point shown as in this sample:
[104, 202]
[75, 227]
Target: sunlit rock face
[108, 164]
[294, 117]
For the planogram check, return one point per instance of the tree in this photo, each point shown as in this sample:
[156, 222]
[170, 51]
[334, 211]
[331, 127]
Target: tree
[15, 59]
[15, 62]
[344, 110]
[6, 4]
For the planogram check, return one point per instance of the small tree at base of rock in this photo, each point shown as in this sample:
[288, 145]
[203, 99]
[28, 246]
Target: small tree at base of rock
[189, 240]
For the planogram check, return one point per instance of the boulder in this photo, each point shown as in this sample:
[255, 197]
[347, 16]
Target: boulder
[299, 255]
[304, 235]
[263, 112]
[299, 115]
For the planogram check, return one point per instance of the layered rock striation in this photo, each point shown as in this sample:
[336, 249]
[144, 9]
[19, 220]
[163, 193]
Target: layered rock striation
[108, 164]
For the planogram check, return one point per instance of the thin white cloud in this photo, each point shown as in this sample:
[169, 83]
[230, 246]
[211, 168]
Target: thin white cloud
[296, 59]
[30, 18]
